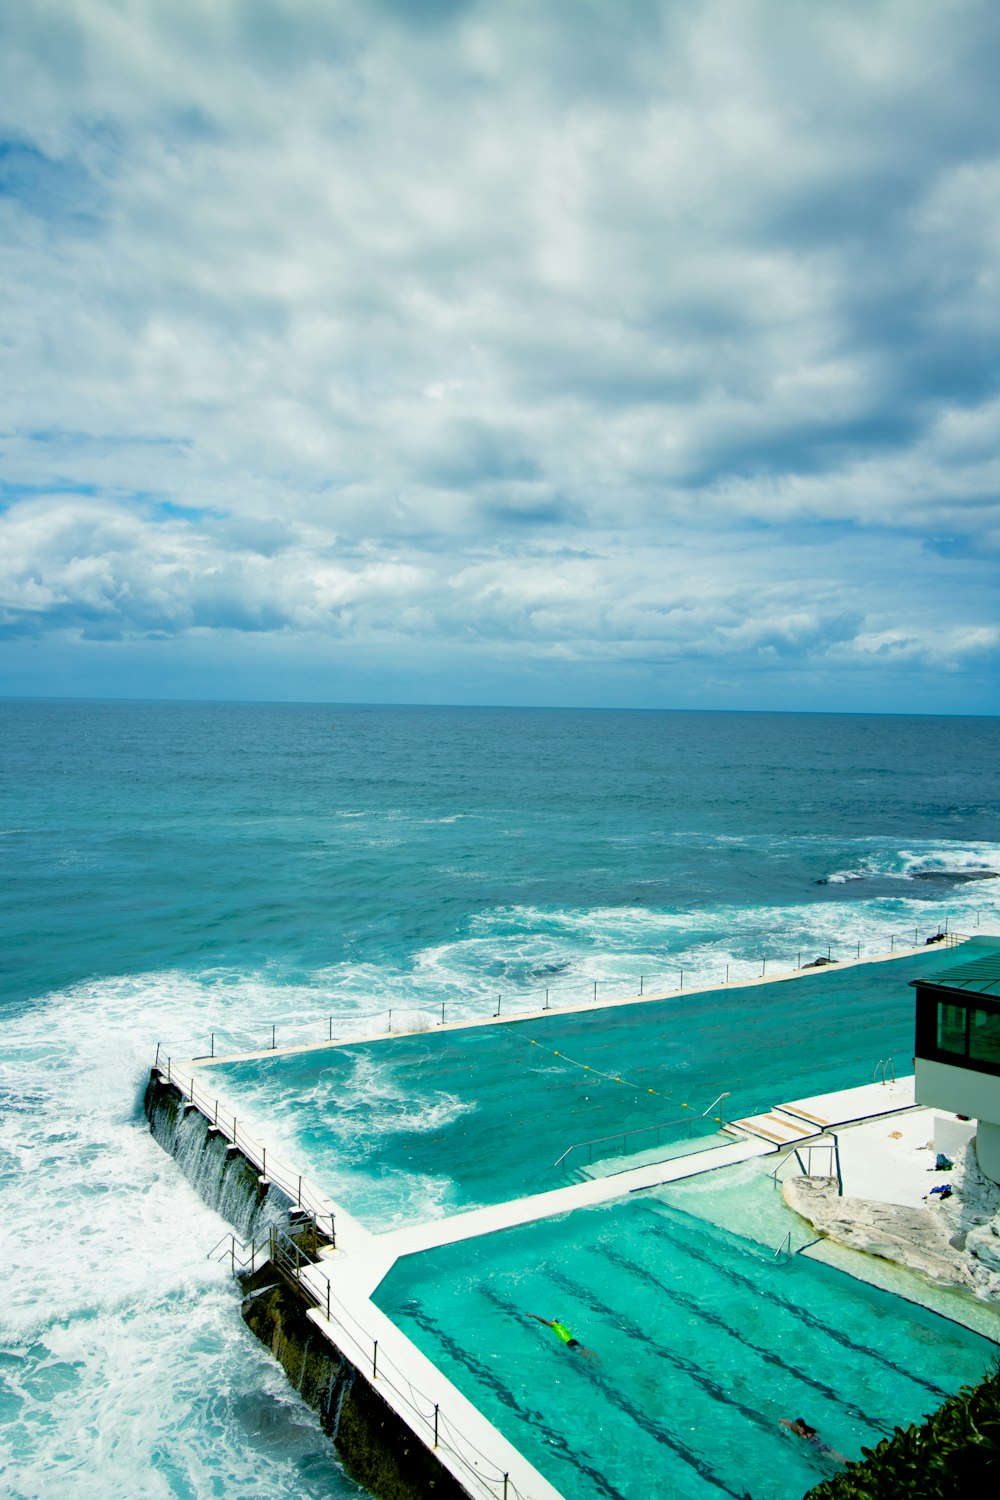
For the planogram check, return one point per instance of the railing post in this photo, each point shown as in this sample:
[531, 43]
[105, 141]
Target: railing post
[157, 1062]
[272, 1039]
[497, 1011]
[595, 989]
[505, 1478]
[442, 1012]
[763, 967]
[168, 1069]
[389, 1027]
[375, 1361]
[298, 1200]
[640, 983]
[212, 1049]
[546, 1005]
[329, 1036]
[727, 973]
[328, 1299]
[333, 1233]
[435, 1424]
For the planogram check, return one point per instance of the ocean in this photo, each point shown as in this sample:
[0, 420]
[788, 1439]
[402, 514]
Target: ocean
[176, 872]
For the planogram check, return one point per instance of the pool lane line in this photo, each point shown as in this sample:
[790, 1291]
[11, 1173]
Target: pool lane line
[689, 1367]
[485, 1376]
[646, 1424]
[803, 1314]
[829, 1392]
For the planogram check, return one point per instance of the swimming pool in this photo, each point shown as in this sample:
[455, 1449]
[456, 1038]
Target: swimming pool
[705, 1342]
[432, 1123]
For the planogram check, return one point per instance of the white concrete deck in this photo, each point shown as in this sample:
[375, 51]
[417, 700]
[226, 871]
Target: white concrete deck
[786, 1124]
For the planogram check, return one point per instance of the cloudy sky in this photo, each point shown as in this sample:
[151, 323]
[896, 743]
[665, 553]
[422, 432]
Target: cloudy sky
[607, 352]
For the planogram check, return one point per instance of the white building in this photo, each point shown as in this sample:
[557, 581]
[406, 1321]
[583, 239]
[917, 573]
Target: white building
[957, 1062]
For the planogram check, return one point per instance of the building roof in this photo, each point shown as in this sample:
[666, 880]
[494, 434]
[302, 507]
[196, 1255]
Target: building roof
[979, 976]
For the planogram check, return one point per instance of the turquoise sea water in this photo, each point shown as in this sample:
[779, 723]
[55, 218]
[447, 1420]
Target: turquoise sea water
[171, 870]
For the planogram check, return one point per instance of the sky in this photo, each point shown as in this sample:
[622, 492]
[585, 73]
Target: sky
[625, 353]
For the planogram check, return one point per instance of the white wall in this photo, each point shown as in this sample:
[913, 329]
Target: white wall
[964, 1092]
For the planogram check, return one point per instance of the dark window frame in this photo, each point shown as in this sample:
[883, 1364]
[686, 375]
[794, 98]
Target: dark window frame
[929, 999]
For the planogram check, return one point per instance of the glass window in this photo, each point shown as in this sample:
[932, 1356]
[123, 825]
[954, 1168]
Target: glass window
[984, 1036]
[951, 1028]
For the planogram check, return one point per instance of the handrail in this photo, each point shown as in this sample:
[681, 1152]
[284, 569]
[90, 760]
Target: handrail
[620, 1135]
[810, 1144]
[786, 1244]
[288, 1258]
[880, 1066]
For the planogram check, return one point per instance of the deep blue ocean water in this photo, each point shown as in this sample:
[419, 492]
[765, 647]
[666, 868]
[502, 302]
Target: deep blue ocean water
[174, 870]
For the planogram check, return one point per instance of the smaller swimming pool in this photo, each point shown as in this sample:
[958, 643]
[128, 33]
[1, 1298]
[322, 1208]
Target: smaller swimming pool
[705, 1342]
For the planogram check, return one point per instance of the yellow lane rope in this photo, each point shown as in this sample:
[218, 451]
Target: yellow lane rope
[611, 1077]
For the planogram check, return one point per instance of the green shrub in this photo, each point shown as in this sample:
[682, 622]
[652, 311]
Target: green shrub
[953, 1455]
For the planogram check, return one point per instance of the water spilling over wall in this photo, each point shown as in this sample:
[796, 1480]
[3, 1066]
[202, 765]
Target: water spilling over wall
[373, 1441]
[222, 1175]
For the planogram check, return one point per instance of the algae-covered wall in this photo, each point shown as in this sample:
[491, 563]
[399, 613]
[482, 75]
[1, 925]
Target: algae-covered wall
[223, 1176]
[377, 1447]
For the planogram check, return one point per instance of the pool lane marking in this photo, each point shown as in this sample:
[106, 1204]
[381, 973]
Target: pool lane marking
[660, 1434]
[643, 1273]
[485, 1376]
[688, 1367]
[803, 1314]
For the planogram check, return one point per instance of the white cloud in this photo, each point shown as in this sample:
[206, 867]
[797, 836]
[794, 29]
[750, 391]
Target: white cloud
[352, 319]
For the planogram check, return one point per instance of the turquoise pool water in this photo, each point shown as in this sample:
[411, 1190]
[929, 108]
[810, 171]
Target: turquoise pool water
[436, 1122]
[705, 1342]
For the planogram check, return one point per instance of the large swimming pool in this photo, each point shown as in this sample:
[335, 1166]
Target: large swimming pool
[432, 1123]
[705, 1341]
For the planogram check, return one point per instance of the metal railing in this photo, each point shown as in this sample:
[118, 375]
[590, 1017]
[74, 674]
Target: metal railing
[426, 1417]
[805, 1167]
[616, 991]
[293, 1184]
[625, 1135]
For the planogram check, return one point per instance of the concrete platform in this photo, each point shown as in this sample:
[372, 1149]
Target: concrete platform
[786, 1124]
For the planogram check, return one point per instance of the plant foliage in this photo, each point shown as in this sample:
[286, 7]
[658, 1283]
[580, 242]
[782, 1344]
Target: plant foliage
[953, 1455]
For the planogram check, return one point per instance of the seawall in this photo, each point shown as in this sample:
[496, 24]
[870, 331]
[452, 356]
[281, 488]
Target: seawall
[376, 1446]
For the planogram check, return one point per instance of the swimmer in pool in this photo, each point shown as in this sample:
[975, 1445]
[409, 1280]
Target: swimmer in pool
[562, 1332]
[802, 1429]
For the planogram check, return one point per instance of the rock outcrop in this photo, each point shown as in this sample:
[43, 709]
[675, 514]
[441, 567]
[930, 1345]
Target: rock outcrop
[918, 1238]
[955, 1242]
